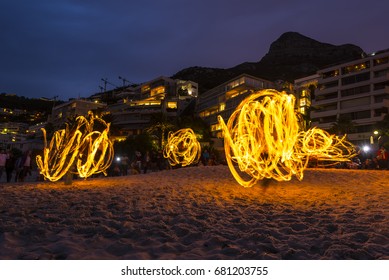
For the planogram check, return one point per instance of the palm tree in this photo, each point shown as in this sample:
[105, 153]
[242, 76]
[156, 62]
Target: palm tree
[160, 126]
[383, 128]
[384, 124]
[343, 125]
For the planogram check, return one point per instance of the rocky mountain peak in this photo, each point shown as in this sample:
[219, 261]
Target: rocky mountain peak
[290, 57]
[293, 48]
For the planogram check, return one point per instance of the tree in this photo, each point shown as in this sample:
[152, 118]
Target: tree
[383, 125]
[198, 125]
[383, 128]
[160, 126]
[343, 125]
[49, 127]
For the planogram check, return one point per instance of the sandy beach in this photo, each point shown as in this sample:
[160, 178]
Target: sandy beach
[198, 213]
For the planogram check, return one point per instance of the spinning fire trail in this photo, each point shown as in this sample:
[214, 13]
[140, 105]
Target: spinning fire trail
[89, 151]
[262, 139]
[182, 148]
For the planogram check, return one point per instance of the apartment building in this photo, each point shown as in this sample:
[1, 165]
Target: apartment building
[12, 132]
[74, 107]
[356, 91]
[223, 99]
[304, 90]
[135, 109]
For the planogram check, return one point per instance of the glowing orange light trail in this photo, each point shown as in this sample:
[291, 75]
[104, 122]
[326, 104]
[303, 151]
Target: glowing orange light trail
[182, 148]
[60, 155]
[262, 139]
[90, 151]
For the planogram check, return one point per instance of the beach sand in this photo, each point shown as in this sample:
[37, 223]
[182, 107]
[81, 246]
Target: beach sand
[198, 213]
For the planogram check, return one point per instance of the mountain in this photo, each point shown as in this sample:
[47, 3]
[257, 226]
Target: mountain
[290, 57]
[12, 101]
[28, 109]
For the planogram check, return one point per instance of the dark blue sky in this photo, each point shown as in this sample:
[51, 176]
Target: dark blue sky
[65, 47]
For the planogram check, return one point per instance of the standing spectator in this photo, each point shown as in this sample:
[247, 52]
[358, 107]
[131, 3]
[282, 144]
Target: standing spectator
[124, 165]
[18, 167]
[205, 157]
[147, 161]
[382, 157]
[138, 161]
[116, 170]
[160, 160]
[10, 166]
[26, 166]
[3, 159]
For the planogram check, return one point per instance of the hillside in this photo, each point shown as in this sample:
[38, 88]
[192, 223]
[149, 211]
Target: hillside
[31, 106]
[290, 57]
[13, 101]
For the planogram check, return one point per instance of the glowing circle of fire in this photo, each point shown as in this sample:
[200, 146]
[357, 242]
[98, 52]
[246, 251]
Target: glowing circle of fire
[90, 151]
[182, 148]
[262, 139]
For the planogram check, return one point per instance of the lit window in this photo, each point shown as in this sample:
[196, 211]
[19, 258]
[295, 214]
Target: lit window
[222, 106]
[157, 91]
[145, 88]
[215, 127]
[172, 105]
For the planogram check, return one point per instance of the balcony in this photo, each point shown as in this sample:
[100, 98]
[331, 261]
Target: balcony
[324, 101]
[380, 79]
[324, 113]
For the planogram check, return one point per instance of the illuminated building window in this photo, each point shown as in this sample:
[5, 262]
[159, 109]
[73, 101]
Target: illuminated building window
[303, 102]
[222, 106]
[216, 127]
[330, 74]
[146, 103]
[172, 105]
[382, 60]
[235, 83]
[157, 91]
[145, 88]
[356, 67]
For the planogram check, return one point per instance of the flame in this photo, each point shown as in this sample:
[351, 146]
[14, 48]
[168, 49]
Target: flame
[182, 147]
[263, 140]
[90, 151]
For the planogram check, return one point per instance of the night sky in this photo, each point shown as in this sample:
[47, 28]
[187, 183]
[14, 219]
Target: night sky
[65, 47]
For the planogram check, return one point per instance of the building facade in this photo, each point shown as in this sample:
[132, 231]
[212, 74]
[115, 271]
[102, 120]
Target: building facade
[304, 90]
[223, 99]
[135, 110]
[11, 132]
[357, 91]
[75, 107]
